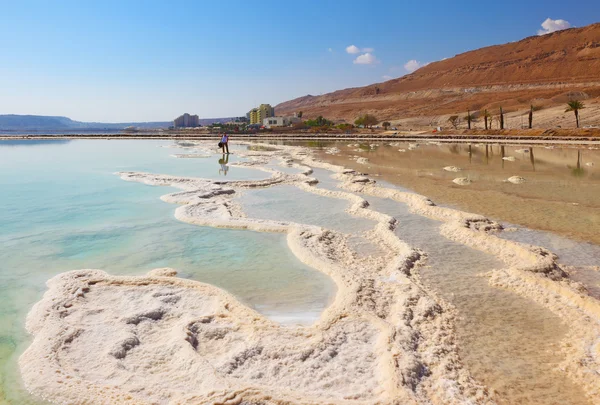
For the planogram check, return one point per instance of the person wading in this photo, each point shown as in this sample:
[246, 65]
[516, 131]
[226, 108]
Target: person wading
[224, 143]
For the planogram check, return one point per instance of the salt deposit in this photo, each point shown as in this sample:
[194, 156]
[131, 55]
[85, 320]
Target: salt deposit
[452, 169]
[462, 181]
[516, 180]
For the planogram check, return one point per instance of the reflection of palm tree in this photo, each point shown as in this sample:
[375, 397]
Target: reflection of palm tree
[487, 155]
[502, 154]
[578, 170]
[532, 158]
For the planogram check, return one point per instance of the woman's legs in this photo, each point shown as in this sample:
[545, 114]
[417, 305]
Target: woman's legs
[226, 146]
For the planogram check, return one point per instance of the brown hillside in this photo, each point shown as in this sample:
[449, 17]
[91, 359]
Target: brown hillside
[544, 70]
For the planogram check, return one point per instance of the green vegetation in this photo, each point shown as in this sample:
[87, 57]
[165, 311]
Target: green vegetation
[575, 106]
[366, 121]
[345, 127]
[319, 122]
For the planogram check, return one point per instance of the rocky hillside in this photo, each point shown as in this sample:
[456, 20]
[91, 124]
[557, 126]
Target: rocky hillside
[543, 70]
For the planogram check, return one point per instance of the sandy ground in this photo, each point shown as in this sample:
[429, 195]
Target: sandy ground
[385, 339]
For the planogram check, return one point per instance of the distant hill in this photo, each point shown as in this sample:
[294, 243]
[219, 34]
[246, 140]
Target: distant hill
[542, 70]
[13, 122]
[38, 123]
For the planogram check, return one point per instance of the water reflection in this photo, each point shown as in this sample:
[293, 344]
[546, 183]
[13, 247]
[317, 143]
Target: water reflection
[33, 142]
[577, 171]
[559, 192]
[224, 161]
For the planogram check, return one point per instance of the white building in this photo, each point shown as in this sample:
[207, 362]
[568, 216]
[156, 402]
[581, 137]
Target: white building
[271, 122]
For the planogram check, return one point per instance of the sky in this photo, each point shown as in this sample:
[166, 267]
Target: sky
[133, 61]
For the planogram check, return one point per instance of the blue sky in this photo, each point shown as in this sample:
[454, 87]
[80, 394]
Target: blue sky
[118, 61]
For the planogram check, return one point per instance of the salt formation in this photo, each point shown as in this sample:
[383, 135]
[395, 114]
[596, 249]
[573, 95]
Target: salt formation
[509, 158]
[516, 180]
[452, 169]
[386, 339]
[462, 181]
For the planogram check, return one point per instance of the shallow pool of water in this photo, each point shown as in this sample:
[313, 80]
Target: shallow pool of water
[559, 194]
[64, 209]
[289, 203]
[508, 342]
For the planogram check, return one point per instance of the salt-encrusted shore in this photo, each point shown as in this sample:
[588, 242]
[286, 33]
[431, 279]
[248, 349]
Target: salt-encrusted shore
[385, 339]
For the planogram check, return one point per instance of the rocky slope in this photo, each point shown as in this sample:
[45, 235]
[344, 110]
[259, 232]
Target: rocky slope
[543, 70]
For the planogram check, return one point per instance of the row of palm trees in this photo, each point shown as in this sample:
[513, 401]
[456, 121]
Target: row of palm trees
[572, 106]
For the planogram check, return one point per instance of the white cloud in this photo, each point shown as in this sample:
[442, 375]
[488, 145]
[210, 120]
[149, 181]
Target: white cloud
[387, 77]
[366, 59]
[330, 50]
[412, 65]
[352, 50]
[551, 25]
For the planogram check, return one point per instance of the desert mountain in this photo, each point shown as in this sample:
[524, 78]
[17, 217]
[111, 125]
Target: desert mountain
[545, 71]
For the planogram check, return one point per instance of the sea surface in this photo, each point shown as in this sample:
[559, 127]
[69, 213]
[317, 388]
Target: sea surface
[63, 208]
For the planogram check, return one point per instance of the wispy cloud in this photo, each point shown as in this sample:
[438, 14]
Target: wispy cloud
[387, 77]
[413, 65]
[551, 25]
[353, 50]
[330, 50]
[366, 59]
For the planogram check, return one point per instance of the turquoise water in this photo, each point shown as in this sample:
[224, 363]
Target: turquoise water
[64, 209]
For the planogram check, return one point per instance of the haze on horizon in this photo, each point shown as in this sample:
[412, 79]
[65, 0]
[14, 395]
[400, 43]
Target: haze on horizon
[151, 61]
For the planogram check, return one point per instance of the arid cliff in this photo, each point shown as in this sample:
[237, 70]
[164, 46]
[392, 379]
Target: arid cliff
[546, 71]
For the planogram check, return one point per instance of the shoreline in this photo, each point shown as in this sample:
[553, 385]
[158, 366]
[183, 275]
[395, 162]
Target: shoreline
[381, 328]
[466, 139]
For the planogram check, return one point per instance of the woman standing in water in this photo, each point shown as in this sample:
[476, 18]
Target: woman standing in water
[225, 143]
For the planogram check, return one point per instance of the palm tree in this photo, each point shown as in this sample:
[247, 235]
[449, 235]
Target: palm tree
[531, 117]
[575, 106]
[469, 118]
[487, 117]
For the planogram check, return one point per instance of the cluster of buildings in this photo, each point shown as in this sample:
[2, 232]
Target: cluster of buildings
[261, 116]
[264, 115]
[257, 115]
[186, 121]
